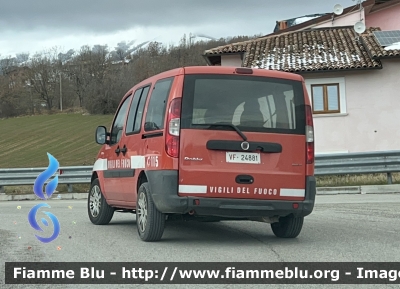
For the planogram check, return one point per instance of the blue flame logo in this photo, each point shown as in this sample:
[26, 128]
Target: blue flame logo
[34, 224]
[43, 177]
[38, 190]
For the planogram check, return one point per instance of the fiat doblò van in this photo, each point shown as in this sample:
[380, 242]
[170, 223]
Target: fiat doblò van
[209, 143]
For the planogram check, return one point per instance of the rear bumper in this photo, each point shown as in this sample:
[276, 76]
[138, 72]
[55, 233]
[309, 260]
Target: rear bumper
[164, 188]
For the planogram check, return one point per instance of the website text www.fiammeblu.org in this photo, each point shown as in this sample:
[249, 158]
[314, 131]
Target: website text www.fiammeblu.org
[175, 273]
[286, 273]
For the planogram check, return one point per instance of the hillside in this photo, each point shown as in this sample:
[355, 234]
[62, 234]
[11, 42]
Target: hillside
[25, 141]
[69, 137]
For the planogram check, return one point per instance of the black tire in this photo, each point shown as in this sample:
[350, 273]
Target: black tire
[100, 213]
[150, 222]
[288, 227]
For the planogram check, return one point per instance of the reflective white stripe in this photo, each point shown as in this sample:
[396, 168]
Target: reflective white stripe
[138, 162]
[293, 193]
[190, 189]
[100, 165]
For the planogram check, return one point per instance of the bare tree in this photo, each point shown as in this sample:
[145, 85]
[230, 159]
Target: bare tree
[92, 77]
[13, 92]
[122, 50]
[77, 72]
[44, 76]
[96, 70]
[7, 63]
[22, 58]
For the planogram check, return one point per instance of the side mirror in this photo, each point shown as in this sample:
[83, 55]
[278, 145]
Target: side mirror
[101, 135]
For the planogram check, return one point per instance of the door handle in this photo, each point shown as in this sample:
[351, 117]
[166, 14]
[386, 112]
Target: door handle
[124, 150]
[117, 151]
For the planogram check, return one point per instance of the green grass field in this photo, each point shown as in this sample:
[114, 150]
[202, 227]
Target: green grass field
[69, 137]
[25, 141]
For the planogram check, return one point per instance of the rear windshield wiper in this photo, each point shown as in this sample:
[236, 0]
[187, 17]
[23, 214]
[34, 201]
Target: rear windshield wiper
[228, 125]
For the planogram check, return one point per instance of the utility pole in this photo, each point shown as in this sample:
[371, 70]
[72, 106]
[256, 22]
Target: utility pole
[60, 93]
[32, 105]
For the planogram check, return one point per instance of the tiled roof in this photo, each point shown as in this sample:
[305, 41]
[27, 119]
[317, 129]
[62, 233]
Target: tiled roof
[327, 49]
[376, 51]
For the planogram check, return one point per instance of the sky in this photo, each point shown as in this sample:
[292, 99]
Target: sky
[31, 26]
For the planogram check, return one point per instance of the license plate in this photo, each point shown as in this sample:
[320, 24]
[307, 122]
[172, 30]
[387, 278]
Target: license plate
[243, 158]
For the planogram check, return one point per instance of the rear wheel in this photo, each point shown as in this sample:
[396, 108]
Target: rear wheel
[288, 227]
[100, 213]
[150, 222]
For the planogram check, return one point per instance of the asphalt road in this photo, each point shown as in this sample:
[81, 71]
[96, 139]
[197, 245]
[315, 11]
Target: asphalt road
[342, 228]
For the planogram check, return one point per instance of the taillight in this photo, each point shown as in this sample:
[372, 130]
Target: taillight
[173, 128]
[310, 135]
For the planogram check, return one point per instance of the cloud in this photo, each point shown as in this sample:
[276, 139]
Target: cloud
[34, 25]
[106, 16]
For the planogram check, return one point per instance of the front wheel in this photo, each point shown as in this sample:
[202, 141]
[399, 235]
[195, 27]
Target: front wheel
[288, 227]
[100, 213]
[150, 222]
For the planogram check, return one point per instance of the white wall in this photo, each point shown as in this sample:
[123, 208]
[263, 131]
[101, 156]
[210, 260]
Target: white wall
[231, 60]
[372, 118]
[343, 20]
[386, 19]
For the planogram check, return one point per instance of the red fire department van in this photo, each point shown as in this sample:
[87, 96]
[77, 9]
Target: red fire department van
[209, 143]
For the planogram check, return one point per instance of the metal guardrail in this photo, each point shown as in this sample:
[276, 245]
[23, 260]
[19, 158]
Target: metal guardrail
[358, 163]
[27, 176]
[333, 164]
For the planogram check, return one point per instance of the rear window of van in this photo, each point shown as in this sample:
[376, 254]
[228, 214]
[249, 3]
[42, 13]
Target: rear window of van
[254, 104]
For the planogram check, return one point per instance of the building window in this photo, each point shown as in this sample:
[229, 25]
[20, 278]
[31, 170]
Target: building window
[325, 98]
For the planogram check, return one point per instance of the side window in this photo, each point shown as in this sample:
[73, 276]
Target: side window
[139, 113]
[157, 105]
[116, 130]
[133, 110]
